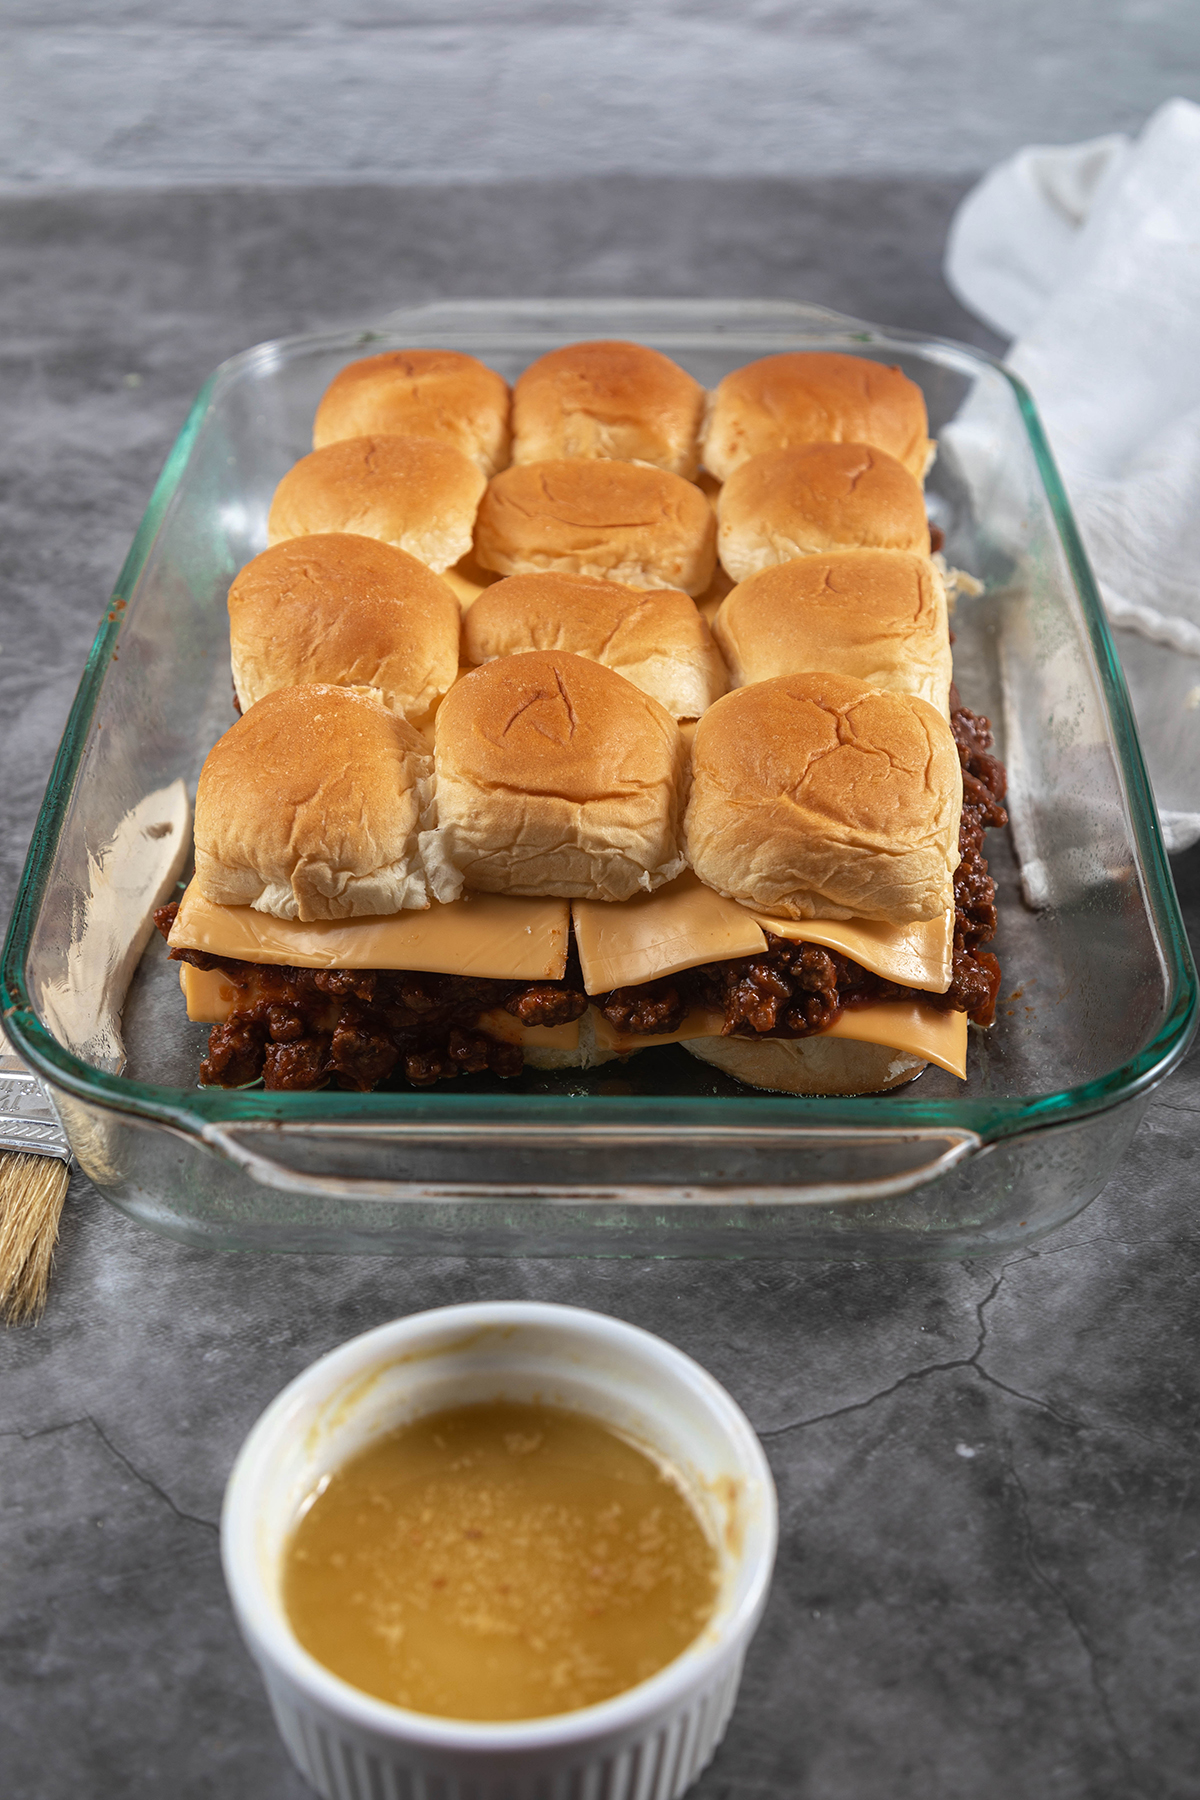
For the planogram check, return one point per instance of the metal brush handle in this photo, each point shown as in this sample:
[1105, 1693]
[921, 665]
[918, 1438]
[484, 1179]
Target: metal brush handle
[27, 1120]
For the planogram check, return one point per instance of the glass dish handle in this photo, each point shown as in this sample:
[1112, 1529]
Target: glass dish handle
[625, 1166]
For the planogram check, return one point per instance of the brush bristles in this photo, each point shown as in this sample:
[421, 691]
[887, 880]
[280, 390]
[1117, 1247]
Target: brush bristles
[32, 1191]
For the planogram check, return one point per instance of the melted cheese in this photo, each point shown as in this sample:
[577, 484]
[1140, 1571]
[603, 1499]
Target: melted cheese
[677, 927]
[492, 935]
[936, 1037]
[681, 926]
[685, 924]
[467, 580]
[939, 1037]
[211, 997]
[918, 955]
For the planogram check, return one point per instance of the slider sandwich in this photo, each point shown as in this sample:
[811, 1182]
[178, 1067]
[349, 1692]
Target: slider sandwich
[341, 930]
[608, 400]
[813, 397]
[877, 615]
[656, 638]
[556, 776]
[814, 796]
[441, 394]
[616, 521]
[849, 822]
[346, 610]
[323, 934]
[818, 497]
[417, 493]
[318, 804]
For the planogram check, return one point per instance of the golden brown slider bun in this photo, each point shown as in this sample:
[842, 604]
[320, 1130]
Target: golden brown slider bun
[618, 521]
[608, 399]
[814, 397]
[818, 497]
[816, 797]
[811, 1065]
[414, 492]
[878, 615]
[556, 776]
[318, 805]
[441, 394]
[345, 610]
[656, 639]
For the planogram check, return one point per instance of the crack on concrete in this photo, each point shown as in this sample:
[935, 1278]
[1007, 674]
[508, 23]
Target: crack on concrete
[854, 1406]
[973, 1362]
[1052, 1412]
[120, 1456]
[981, 1307]
[29, 1437]
[1102, 1237]
[147, 1481]
[1046, 1581]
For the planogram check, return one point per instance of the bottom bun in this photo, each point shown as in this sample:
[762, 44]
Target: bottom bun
[812, 1065]
[586, 1055]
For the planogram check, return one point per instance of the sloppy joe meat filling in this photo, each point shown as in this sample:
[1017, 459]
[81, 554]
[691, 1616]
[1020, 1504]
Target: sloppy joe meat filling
[307, 1028]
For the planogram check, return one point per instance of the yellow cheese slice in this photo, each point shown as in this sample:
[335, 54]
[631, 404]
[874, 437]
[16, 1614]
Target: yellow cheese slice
[490, 935]
[685, 924]
[211, 997]
[467, 580]
[677, 927]
[918, 955]
[938, 1037]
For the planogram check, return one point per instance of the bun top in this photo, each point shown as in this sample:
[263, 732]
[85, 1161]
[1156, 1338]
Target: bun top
[617, 521]
[655, 638]
[878, 615]
[312, 807]
[346, 610]
[818, 497]
[608, 399]
[414, 492]
[814, 397]
[441, 394]
[557, 776]
[815, 796]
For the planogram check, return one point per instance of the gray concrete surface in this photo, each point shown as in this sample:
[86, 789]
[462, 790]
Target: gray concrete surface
[153, 91]
[989, 1583]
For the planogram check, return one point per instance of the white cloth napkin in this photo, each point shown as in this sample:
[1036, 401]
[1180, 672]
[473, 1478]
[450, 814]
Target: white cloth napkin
[1089, 255]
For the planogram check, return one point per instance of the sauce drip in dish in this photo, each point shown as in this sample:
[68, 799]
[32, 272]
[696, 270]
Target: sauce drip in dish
[500, 1561]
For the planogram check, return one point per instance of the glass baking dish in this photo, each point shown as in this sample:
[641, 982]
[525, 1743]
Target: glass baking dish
[661, 1155]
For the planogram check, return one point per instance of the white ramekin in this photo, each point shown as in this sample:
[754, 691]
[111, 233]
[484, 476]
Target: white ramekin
[648, 1743]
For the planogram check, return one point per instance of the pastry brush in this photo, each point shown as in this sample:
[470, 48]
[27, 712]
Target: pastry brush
[34, 1170]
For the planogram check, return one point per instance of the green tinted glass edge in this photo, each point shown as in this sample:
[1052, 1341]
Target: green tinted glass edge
[14, 998]
[190, 1111]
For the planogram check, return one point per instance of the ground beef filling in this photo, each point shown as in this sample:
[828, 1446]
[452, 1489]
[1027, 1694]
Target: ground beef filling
[307, 1028]
[796, 990]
